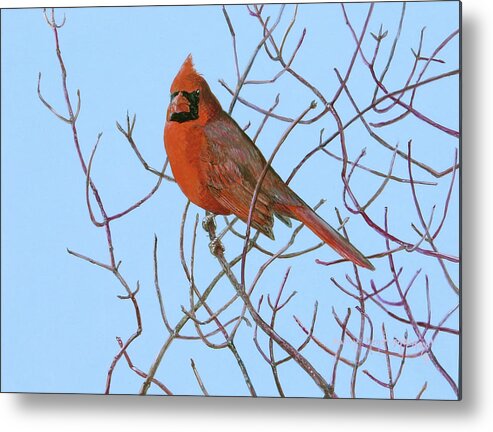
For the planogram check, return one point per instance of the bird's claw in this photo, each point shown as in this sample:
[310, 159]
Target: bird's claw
[209, 223]
[216, 247]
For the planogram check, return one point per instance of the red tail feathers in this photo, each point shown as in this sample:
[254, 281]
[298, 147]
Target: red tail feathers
[330, 236]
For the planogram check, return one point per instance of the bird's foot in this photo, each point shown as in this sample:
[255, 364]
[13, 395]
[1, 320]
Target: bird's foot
[209, 225]
[216, 247]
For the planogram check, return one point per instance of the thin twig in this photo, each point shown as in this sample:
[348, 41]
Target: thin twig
[199, 379]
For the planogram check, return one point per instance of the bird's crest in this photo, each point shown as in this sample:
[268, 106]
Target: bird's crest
[187, 77]
[188, 65]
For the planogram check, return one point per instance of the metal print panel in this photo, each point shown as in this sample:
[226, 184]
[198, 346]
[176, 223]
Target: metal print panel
[240, 200]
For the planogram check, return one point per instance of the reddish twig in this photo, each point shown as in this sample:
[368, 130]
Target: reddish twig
[140, 372]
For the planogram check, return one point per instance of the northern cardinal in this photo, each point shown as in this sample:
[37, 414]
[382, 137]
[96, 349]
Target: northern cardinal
[217, 166]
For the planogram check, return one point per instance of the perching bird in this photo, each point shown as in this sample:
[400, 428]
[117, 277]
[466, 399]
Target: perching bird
[217, 166]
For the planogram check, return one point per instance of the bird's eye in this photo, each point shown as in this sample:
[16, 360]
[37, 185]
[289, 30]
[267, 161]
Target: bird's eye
[173, 95]
[197, 92]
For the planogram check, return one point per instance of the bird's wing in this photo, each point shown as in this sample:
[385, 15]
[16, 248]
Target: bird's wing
[234, 166]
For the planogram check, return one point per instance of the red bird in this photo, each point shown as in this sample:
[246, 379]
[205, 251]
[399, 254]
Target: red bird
[217, 166]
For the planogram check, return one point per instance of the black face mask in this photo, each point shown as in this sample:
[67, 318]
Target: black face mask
[193, 113]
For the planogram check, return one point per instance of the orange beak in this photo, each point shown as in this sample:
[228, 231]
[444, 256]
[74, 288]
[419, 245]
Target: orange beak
[179, 104]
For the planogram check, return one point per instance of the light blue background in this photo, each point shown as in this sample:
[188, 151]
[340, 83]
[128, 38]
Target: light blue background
[60, 315]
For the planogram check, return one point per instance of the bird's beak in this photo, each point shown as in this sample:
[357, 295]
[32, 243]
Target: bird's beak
[179, 104]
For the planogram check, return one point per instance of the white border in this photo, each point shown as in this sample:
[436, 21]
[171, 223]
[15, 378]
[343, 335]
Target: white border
[475, 413]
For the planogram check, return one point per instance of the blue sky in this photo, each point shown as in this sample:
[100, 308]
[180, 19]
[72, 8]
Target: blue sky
[60, 315]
